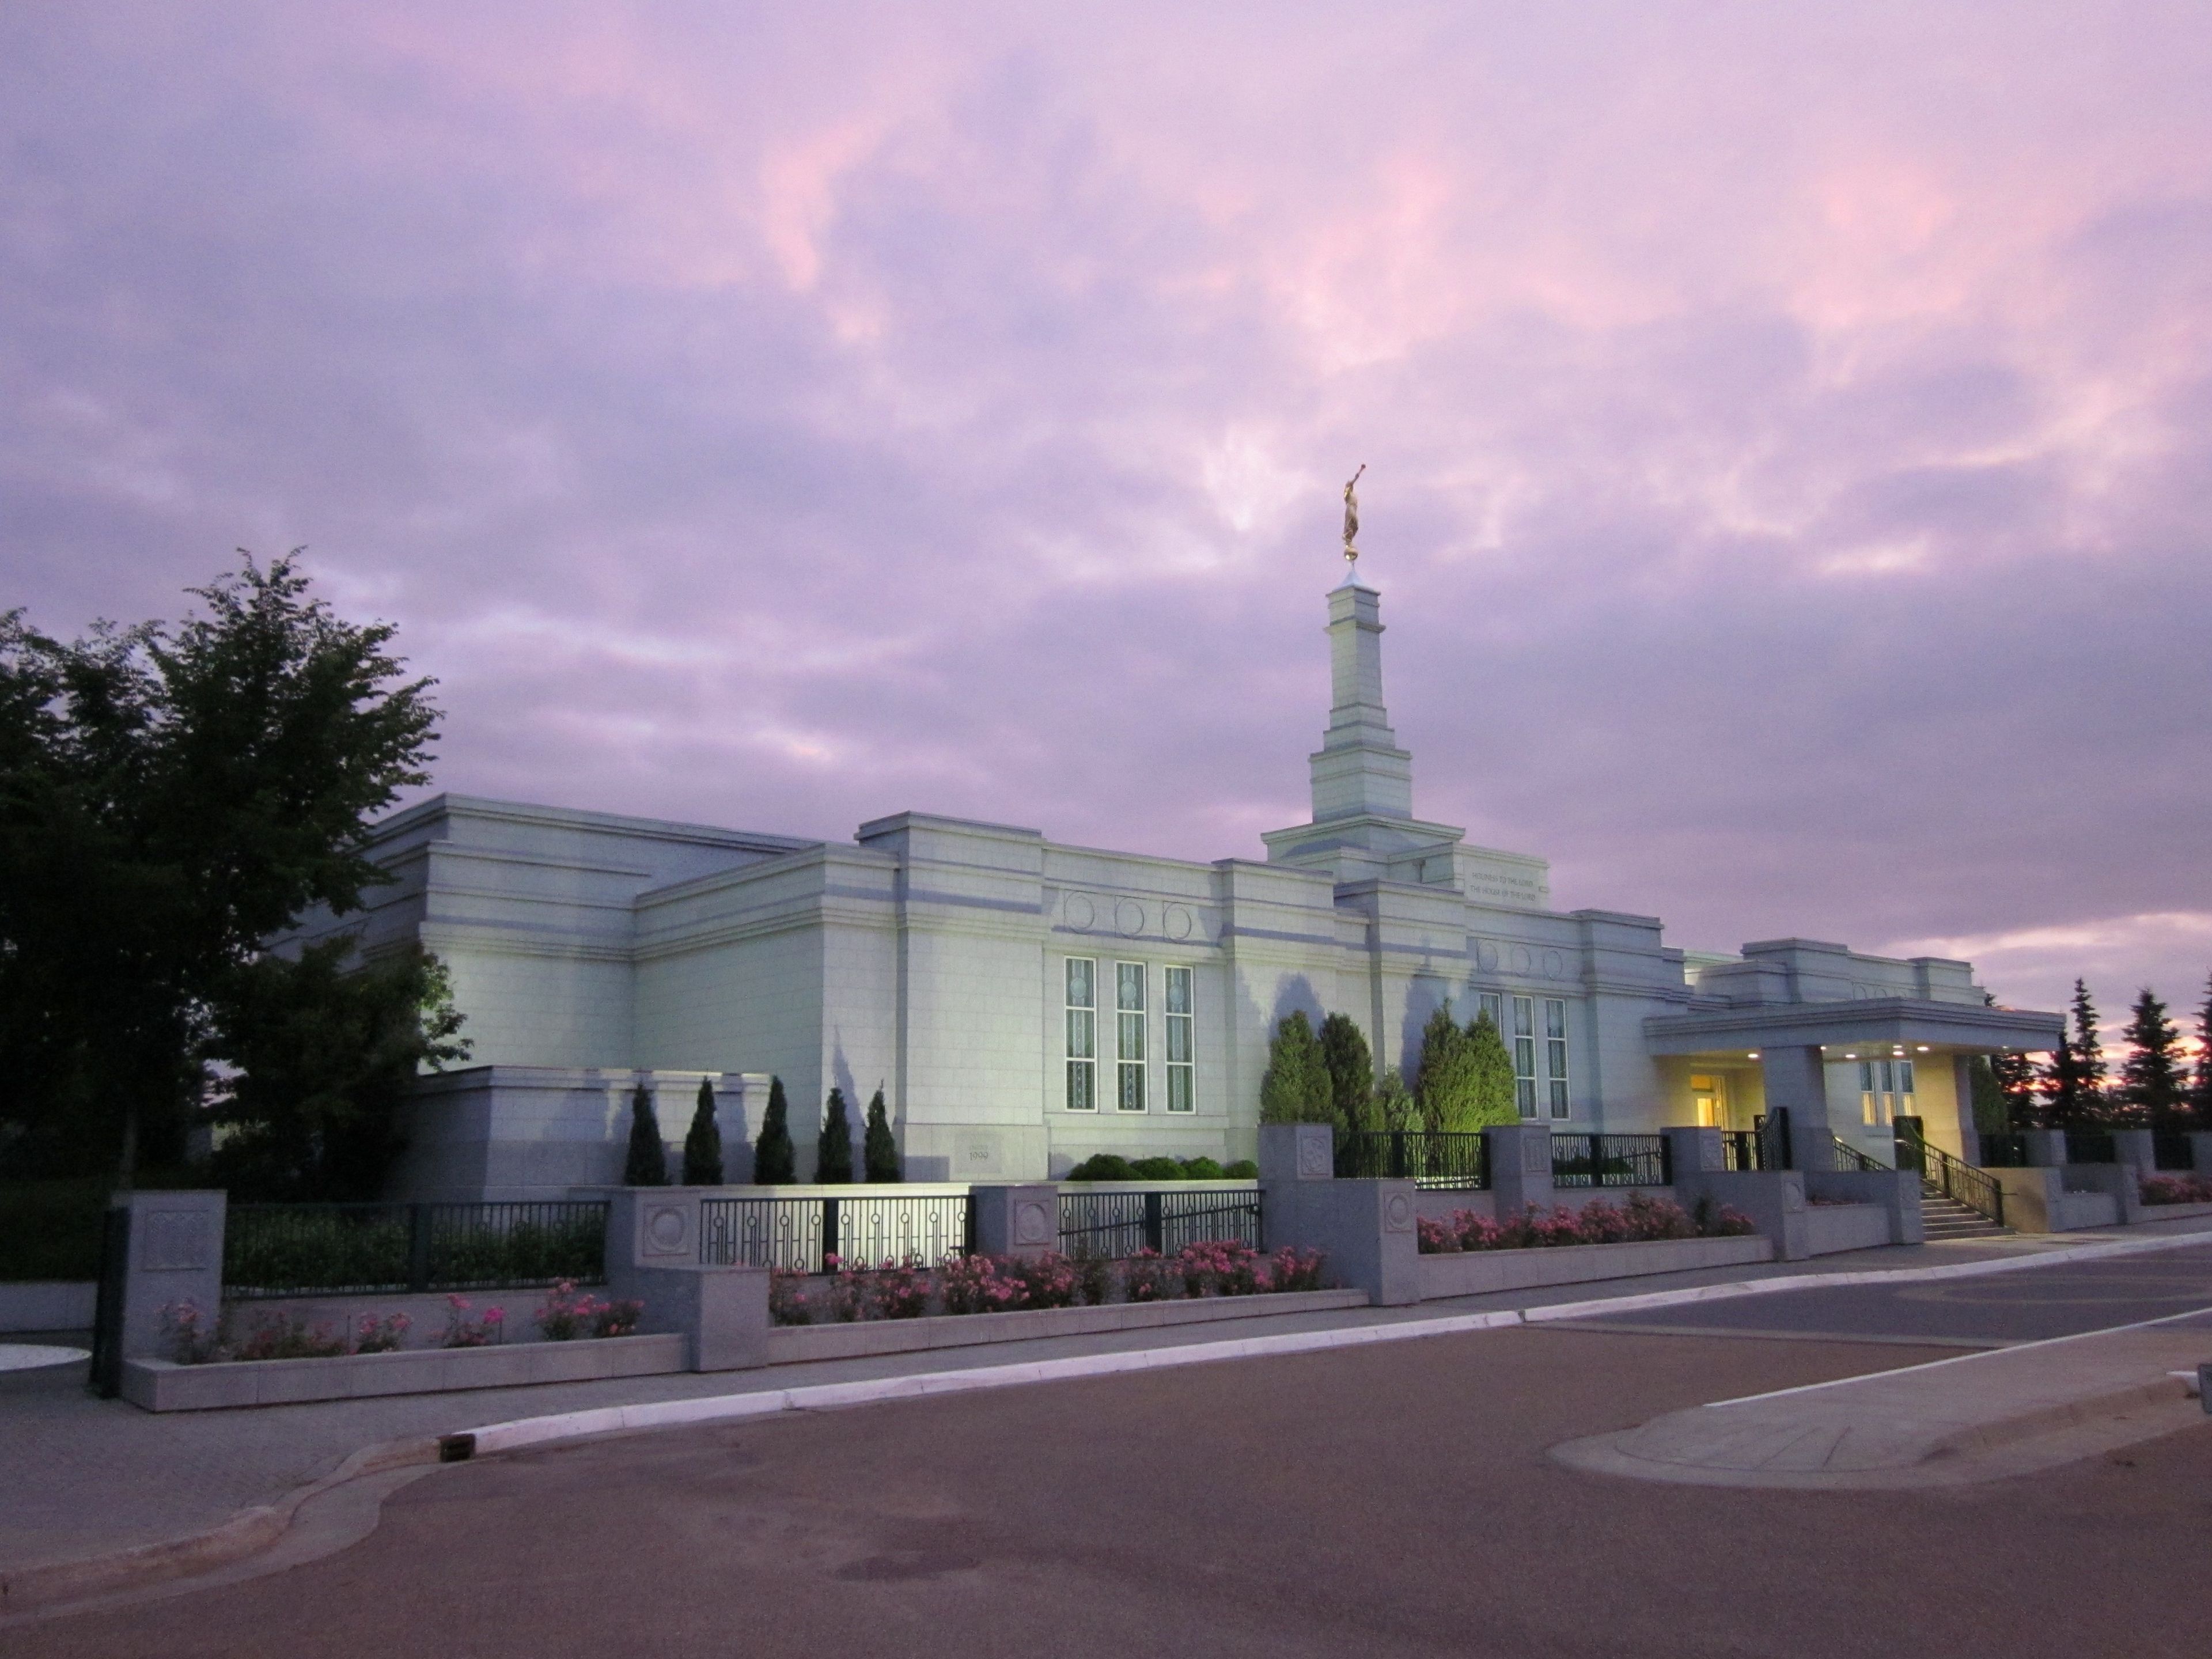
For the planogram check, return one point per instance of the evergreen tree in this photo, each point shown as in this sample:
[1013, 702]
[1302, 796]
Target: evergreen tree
[2150, 1079]
[2089, 1054]
[1445, 1083]
[647, 1164]
[702, 1142]
[1393, 1106]
[1493, 1073]
[2013, 1073]
[2200, 1097]
[775, 1163]
[2061, 1083]
[1295, 1088]
[833, 1153]
[1350, 1066]
[880, 1151]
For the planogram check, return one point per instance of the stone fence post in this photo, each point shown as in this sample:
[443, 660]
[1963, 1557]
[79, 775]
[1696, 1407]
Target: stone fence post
[2046, 1148]
[176, 1256]
[1366, 1229]
[1520, 1167]
[1020, 1220]
[652, 1254]
[2134, 1146]
[1692, 1151]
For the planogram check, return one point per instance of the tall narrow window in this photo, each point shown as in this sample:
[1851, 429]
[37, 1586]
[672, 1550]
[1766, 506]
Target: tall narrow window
[1082, 1035]
[1183, 1095]
[1129, 1034]
[1493, 1004]
[1555, 1055]
[1524, 1054]
[1885, 1091]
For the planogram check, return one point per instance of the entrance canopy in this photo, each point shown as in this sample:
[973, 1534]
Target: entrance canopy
[1915, 1022]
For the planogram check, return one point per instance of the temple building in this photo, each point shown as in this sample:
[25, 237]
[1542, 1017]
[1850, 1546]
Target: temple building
[1023, 1004]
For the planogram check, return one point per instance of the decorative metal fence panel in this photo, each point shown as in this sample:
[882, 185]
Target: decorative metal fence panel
[1596, 1160]
[2172, 1150]
[1114, 1224]
[334, 1249]
[1743, 1151]
[1849, 1157]
[799, 1233]
[2090, 1147]
[1438, 1161]
[1940, 1172]
[2004, 1150]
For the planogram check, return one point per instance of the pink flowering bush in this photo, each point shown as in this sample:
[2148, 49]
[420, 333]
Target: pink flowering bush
[289, 1336]
[189, 1342]
[385, 1335]
[986, 1284]
[568, 1314]
[1644, 1218]
[2177, 1189]
[463, 1332]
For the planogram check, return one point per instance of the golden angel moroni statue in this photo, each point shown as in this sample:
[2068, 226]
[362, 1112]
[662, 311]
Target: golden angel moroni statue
[1351, 521]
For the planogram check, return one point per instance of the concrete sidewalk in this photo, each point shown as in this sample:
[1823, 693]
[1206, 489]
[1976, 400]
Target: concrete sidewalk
[89, 1478]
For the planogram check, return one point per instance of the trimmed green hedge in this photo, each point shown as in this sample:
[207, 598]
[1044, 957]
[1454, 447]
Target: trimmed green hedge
[1108, 1166]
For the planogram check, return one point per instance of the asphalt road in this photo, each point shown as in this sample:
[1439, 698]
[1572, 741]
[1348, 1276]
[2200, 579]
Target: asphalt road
[1392, 1500]
[2053, 1298]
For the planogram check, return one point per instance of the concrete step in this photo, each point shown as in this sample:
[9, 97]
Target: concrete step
[1946, 1217]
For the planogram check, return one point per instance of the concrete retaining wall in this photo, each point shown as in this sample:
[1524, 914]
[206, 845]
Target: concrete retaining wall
[2173, 1212]
[426, 1313]
[160, 1386]
[1477, 1273]
[790, 1344]
[1830, 1228]
[48, 1304]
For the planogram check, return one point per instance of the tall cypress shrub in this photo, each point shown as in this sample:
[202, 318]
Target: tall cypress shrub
[702, 1142]
[646, 1163]
[1295, 1088]
[2150, 1079]
[879, 1152]
[1350, 1066]
[775, 1163]
[833, 1153]
[1493, 1069]
[1444, 1085]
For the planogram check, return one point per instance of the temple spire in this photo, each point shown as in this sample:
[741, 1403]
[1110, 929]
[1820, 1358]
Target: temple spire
[1360, 770]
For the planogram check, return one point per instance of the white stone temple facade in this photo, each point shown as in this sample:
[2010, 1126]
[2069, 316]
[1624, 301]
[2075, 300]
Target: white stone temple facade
[1023, 1004]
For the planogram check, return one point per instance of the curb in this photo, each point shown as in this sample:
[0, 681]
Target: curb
[47, 1589]
[42, 1588]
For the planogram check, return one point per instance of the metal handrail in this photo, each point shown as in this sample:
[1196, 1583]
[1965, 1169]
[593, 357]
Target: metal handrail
[1955, 1179]
[1852, 1160]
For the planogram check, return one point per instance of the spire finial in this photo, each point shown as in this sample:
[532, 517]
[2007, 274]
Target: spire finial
[1352, 526]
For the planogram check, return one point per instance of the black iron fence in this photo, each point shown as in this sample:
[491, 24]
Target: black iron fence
[340, 1249]
[1940, 1172]
[1114, 1224]
[1438, 1160]
[1743, 1152]
[1597, 1160]
[2091, 1146]
[2004, 1150]
[1850, 1158]
[2171, 1150]
[799, 1233]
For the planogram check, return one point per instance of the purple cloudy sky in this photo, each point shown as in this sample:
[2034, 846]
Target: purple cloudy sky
[1789, 427]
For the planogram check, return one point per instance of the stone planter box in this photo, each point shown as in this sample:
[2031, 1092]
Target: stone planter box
[162, 1386]
[2078, 1210]
[1478, 1272]
[2172, 1212]
[47, 1304]
[1830, 1228]
[790, 1344]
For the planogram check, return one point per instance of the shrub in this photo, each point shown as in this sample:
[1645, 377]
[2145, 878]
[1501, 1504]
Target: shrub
[646, 1163]
[774, 1162]
[879, 1151]
[1296, 1088]
[1049, 1280]
[1220, 1267]
[385, 1335]
[1242, 1170]
[1652, 1217]
[1598, 1222]
[1201, 1169]
[1157, 1168]
[1349, 1064]
[974, 1284]
[833, 1152]
[1102, 1166]
[462, 1332]
[568, 1314]
[702, 1142]
[901, 1289]
[289, 1336]
[1146, 1277]
[1731, 1223]
[1297, 1270]
[2177, 1189]
[1094, 1279]
[786, 1296]
[188, 1341]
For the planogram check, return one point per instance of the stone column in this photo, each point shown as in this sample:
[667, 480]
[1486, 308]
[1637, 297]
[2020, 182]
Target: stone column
[1962, 1080]
[2200, 1154]
[1017, 1220]
[2046, 1148]
[176, 1256]
[653, 1257]
[2134, 1146]
[1520, 1167]
[1693, 1151]
[1365, 1228]
[1796, 1081]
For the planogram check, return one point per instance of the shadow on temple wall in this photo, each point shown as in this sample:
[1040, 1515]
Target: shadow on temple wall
[1427, 993]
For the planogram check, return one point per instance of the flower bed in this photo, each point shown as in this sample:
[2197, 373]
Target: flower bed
[1644, 1219]
[2177, 1189]
[566, 1314]
[989, 1283]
